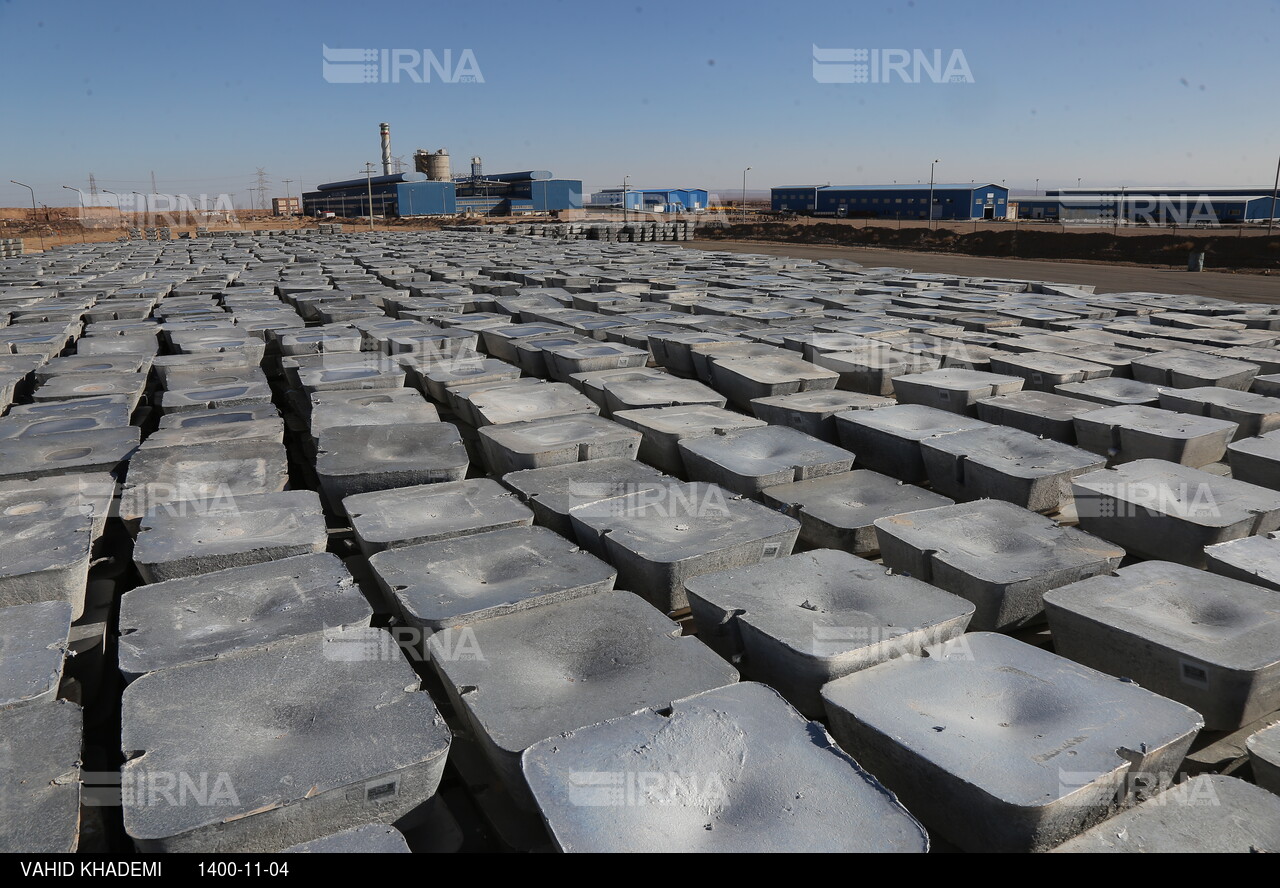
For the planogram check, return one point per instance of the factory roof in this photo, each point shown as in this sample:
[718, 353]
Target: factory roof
[647, 190]
[1186, 188]
[937, 186]
[1140, 195]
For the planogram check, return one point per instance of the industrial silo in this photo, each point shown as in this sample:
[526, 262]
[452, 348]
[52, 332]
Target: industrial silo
[438, 166]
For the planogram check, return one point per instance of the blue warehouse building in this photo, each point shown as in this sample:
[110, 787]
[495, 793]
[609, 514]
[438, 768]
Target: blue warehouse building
[413, 194]
[954, 202]
[1151, 205]
[654, 200]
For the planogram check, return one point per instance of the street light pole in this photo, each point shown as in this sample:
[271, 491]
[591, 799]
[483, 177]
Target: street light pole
[39, 234]
[744, 194]
[117, 197]
[626, 180]
[1274, 192]
[80, 194]
[931, 167]
[368, 175]
[1037, 187]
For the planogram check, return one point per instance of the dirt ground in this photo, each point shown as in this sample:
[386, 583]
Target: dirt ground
[1225, 248]
[1107, 278]
[999, 225]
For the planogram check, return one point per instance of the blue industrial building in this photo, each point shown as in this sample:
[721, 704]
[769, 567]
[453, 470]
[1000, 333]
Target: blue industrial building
[1151, 205]
[953, 202]
[402, 194]
[413, 194]
[530, 191]
[654, 200]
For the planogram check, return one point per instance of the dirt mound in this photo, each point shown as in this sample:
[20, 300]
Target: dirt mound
[1223, 251]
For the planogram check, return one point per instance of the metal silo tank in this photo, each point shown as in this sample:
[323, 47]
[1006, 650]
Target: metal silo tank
[438, 166]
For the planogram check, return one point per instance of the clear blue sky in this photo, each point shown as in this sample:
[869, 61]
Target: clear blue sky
[670, 93]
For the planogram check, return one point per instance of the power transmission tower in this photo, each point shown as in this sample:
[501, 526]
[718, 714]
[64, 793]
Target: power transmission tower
[154, 190]
[262, 187]
[93, 189]
[399, 164]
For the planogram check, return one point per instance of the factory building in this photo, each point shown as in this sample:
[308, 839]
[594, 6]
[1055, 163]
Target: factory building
[513, 194]
[654, 200]
[952, 202]
[413, 194]
[400, 194]
[431, 191]
[1151, 205]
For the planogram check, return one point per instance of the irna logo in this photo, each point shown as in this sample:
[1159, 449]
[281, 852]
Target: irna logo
[399, 65]
[890, 66]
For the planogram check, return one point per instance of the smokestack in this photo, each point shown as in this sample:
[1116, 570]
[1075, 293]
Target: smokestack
[384, 129]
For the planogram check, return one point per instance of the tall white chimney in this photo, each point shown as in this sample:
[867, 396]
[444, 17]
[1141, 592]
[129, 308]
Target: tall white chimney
[384, 129]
